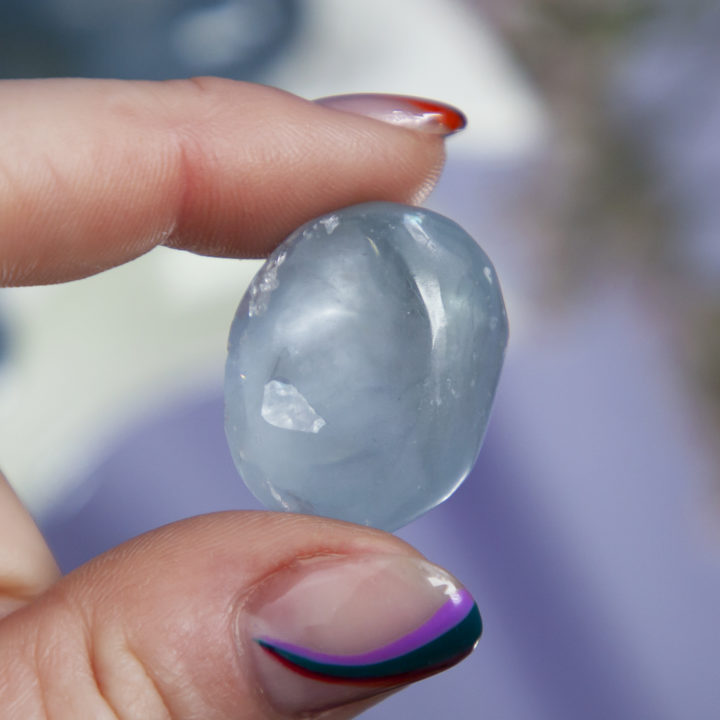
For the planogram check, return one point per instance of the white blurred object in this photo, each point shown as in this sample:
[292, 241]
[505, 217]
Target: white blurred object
[437, 49]
[90, 355]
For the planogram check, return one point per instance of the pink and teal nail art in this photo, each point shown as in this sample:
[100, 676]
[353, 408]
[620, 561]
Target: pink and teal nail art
[446, 638]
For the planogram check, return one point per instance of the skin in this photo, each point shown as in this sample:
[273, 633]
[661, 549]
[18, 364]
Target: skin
[92, 175]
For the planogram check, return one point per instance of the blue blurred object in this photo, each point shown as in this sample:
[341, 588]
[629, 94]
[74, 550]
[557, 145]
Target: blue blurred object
[154, 39]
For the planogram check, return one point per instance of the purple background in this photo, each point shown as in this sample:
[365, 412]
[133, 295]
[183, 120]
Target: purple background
[580, 531]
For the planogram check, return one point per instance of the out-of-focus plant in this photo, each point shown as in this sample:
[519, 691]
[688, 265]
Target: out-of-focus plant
[596, 199]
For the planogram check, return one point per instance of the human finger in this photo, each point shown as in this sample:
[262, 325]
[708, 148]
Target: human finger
[27, 567]
[96, 172]
[236, 615]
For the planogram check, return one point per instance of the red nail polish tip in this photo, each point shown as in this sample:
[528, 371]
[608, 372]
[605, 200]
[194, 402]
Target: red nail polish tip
[448, 116]
[406, 111]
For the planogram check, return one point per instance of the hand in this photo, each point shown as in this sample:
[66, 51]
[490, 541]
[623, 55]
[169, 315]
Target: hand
[238, 614]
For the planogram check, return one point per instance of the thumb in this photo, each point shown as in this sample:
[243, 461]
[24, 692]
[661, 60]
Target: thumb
[235, 615]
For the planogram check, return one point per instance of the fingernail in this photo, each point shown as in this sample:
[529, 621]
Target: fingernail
[408, 112]
[327, 632]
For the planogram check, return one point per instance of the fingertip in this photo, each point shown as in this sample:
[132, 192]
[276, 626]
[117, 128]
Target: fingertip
[27, 567]
[169, 622]
[258, 173]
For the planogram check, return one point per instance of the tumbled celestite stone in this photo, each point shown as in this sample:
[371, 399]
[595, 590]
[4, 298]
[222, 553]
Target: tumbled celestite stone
[362, 365]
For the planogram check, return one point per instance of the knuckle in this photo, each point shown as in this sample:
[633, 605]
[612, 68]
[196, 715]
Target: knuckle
[65, 682]
[122, 679]
[63, 665]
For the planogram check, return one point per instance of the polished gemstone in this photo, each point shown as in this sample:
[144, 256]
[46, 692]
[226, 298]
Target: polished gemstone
[362, 365]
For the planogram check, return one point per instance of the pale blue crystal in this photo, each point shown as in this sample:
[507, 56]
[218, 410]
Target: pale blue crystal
[362, 365]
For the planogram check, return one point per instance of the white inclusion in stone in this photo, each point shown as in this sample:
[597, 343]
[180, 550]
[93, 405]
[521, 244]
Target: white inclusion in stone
[277, 497]
[285, 407]
[488, 274]
[330, 223]
[413, 225]
[263, 284]
[428, 286]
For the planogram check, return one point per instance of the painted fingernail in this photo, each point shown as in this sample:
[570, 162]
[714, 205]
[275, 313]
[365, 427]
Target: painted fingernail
[404, 111]
[328, 632]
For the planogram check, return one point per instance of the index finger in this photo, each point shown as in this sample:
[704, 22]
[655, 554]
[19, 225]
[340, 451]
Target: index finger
[94, 172]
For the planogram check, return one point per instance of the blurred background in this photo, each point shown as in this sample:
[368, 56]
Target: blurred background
[589, 531]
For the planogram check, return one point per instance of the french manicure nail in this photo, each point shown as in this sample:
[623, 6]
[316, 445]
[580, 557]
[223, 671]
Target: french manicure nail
[328, 632]
[404, 111]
